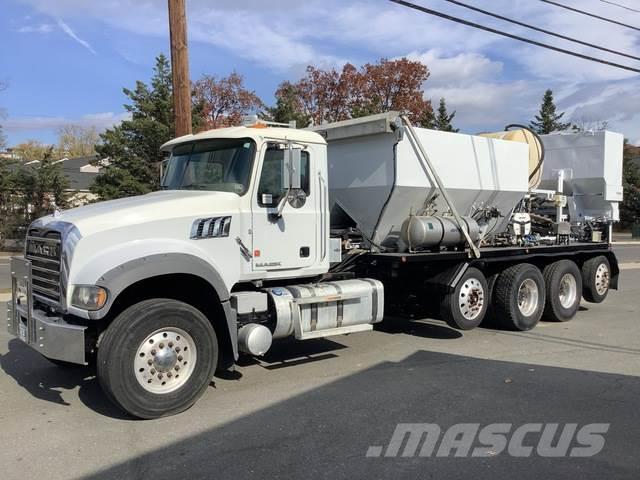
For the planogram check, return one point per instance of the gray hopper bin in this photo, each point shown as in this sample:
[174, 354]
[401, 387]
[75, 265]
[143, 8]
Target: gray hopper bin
[377, 180]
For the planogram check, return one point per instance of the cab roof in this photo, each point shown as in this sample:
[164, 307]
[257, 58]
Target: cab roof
[258, 133]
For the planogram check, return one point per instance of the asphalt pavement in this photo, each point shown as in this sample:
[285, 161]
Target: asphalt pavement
[5, 274]
[314, 409]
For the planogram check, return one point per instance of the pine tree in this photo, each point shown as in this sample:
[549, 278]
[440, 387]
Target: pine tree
[133, 146]
[547, 120]
[630, 205]
[443, 118]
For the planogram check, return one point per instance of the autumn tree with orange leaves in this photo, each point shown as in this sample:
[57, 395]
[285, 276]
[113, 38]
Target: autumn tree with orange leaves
[323, 96]
[224, 101]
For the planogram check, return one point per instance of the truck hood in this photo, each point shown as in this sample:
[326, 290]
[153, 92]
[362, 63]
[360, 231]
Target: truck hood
[162, 205]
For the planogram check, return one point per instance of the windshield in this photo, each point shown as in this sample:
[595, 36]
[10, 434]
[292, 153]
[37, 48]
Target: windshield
[222, 165]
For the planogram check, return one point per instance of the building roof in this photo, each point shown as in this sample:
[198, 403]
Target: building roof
[79, 171]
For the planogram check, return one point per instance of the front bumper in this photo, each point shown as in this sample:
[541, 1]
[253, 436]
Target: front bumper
[48, 334]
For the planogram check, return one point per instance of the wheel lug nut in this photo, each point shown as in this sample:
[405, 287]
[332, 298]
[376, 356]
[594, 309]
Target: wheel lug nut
[160, 376]
[153, 352]
[179, 358]
[161, 345]
[170, 344]
[178, 349]
[177, 368]
[152, 371]
[149, 362]
[169, 374]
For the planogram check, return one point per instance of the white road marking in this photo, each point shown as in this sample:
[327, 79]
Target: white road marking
[629, 266]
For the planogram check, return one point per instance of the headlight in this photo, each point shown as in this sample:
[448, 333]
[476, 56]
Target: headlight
[89, 297]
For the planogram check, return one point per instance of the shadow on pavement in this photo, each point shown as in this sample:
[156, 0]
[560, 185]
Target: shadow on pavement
[419, 328]
[326, 432]
[46, 381]
[290, 352]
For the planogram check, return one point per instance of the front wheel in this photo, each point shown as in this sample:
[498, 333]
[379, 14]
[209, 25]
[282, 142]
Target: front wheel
[157, 358]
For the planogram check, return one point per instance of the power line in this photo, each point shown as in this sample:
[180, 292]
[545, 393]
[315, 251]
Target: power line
[621, 6]
[590, 14]
[537, 29]
[510, 35]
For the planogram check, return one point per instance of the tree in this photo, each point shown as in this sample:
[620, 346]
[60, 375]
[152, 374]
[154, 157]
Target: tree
[224, 101]
[32, 150]
[442, 121]
[133, 146]
[391, 85]
[329, 96]
[77, 141]
[29, 190]
[547, 120]
[630, 206]
[288, 106]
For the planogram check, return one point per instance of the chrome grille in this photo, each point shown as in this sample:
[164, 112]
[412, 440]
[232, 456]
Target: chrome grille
[44, 250]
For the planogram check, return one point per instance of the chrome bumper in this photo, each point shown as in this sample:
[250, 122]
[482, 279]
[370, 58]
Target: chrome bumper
[50, 335]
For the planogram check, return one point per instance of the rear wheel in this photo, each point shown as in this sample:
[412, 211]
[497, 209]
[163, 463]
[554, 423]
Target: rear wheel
[465, 306]
[596, 275]
[519, 297]
[564, 290]
[157, 358]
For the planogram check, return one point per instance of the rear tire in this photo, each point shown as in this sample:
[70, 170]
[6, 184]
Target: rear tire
[157, 358]
[564, 290]
[519, 297]
[464, 308]
[596, 275]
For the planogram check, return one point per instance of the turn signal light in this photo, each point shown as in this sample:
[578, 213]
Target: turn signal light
[89, 297]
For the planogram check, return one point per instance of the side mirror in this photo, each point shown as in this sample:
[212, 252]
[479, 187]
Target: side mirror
[291, 169]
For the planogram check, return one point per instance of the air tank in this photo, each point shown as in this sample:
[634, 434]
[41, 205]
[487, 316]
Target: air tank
[426, 232]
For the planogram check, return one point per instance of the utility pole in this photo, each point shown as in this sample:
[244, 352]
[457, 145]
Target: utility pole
[180, 67]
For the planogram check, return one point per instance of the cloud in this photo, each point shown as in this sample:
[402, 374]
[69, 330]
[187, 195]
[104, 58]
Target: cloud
[41, 28]
[487, 78]
[67, 29]
[101, 121]
[460, 69]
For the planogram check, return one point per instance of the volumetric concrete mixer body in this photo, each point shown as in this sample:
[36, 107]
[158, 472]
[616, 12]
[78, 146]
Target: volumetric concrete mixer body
[377, 179]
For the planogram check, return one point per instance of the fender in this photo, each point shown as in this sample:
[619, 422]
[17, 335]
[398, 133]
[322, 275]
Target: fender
[119, 278]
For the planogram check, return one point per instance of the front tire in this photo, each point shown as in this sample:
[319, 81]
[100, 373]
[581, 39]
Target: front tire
[157, 358]
[464, 308]
[519, 297]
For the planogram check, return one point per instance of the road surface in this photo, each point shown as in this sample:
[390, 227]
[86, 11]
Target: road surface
[313, 409]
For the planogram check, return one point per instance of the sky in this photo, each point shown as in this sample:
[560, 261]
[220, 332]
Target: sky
[66, 61]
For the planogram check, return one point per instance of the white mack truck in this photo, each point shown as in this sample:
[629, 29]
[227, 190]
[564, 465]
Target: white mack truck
[262, 232]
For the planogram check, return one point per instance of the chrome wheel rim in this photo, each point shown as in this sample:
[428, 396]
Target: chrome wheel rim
[165, 360]
[602, 279]
[528, 297]
[471, 298]
[568, 291]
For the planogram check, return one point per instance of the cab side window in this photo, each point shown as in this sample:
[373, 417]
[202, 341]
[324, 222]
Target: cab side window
[270, 189]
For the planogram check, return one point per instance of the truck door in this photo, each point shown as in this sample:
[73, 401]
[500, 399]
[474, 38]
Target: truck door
[288, 241]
